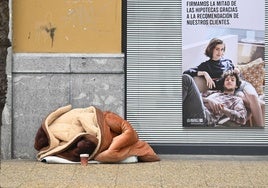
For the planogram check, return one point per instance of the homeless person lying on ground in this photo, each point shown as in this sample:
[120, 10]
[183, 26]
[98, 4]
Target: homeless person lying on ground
[105, 136]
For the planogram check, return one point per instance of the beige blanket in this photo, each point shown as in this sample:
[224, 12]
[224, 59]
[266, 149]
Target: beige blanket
[107, 137]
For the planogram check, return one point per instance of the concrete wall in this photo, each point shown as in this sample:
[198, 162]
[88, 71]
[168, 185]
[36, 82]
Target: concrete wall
[40, 83]
[6, 129]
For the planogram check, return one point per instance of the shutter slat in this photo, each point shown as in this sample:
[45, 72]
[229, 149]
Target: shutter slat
[154, 88]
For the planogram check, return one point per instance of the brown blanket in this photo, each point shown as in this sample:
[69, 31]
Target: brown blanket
[105, 136]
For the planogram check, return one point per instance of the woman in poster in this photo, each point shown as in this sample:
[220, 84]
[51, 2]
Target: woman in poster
[213, 69]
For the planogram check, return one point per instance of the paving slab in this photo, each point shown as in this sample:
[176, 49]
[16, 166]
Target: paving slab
[172, 171]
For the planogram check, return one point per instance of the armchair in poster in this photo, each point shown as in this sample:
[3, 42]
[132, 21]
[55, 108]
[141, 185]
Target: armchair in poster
[223, 64]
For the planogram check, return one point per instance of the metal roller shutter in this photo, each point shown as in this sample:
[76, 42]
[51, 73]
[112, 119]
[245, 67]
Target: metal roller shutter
[153, 68]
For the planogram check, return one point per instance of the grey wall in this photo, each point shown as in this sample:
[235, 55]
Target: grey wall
[6, 129]
[43, 82]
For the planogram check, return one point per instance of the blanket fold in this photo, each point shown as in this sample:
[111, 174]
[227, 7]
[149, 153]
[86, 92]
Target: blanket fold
[105, 136]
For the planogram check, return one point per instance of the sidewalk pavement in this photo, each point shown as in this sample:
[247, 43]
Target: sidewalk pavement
[172, 171]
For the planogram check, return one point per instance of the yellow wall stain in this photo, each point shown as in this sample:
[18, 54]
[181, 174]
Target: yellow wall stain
[67, 26]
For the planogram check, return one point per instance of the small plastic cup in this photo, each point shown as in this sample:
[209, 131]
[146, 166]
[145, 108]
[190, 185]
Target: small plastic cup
[84, 159]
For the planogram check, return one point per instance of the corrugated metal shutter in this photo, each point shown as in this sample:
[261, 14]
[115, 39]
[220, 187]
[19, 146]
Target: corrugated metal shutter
[154, 105]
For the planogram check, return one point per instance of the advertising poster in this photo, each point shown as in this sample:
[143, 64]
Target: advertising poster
[223, 63]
